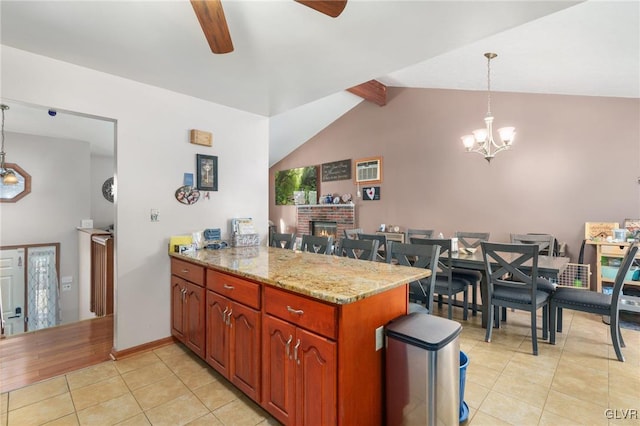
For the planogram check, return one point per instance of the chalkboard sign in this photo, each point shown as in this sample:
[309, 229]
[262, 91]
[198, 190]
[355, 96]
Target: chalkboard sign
[337, 170]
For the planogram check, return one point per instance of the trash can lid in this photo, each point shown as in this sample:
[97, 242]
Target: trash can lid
[424, 331]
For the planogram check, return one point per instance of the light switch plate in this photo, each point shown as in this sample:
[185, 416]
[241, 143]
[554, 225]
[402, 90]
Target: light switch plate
[379, 337]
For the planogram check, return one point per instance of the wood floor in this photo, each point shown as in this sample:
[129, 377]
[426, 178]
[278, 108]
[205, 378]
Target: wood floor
[35, 356]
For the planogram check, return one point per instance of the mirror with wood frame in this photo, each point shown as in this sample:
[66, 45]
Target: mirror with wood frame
[14, 192]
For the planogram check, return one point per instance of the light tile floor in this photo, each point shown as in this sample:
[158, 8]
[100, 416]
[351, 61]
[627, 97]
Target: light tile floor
[574, 382]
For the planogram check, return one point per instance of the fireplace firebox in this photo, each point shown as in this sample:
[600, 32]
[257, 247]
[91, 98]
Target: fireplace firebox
[323, 228]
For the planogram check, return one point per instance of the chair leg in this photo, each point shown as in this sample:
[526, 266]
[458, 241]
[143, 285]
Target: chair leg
[487, 336]
[559, 328]
[465, 304]
[616, 336]
[534, 333]
[474, 298]
[450, 306]
[496, 317]
[545, 322]
[552, 322]
[504, 314]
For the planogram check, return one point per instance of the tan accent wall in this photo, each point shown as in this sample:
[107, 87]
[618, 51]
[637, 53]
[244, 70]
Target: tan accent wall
[575, 159]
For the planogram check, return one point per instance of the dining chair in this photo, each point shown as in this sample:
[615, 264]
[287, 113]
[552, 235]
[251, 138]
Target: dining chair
[381, 254]
[545, 242]
[283, 240]
[357, 249]
[510, 285]
[418, 233]
[594, 302]
[352, 234]
[417, 256]
[317, 244]
[446, 283]
[471, 240]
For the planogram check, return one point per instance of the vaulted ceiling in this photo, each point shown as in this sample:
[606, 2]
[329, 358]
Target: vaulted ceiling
[293, 64]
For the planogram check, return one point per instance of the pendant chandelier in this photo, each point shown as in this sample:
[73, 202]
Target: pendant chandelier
[481, 140]
[8, 176]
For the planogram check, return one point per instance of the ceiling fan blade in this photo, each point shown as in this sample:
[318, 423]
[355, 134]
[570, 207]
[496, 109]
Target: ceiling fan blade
[214, 25]
[331, 8]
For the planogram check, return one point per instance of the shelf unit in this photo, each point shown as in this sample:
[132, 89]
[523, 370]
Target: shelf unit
[614, 250]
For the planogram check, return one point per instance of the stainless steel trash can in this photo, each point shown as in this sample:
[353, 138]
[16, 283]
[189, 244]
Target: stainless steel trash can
[422, 371]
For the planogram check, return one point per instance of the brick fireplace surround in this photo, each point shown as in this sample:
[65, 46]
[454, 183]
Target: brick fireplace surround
[343, 214]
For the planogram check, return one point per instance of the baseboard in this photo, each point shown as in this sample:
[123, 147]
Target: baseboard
[115, 355]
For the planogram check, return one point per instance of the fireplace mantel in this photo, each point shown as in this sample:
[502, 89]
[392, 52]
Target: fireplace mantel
[343, 214]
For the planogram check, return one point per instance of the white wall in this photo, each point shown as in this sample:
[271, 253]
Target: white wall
[152, 153]
[102, 211]
[59, 199]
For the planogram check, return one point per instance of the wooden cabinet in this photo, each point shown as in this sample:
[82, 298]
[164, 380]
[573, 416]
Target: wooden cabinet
[292, 353]
[393, 236]
[233, 331]
[188, 306]
[299, 374]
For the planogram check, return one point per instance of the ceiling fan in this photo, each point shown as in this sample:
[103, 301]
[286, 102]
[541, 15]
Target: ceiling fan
[214, 25]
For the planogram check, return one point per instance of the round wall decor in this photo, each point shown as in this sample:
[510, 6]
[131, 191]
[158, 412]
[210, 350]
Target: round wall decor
[108, 190]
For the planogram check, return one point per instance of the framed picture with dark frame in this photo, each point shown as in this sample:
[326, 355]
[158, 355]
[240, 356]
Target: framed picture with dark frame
[206, 172]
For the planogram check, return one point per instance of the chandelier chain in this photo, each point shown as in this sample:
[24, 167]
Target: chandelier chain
[3, 107]
[489, 85]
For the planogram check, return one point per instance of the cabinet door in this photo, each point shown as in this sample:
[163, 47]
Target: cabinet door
[177, 308]
[195, 318]
[278, 369]
[244, 350]
[217, 351]
[316, 379]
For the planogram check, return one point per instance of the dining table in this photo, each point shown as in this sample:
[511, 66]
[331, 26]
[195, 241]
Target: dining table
[548, 267]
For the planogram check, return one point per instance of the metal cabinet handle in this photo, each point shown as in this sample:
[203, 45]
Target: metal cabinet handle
[295, 311]
[184, 293]
[228, 287]
[185, 271]
[288, 345]
[295, 352]
[224, 314]
[229, 317]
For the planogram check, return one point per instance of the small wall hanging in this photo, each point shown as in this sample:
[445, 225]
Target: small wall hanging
[371, 193]
[108, 189]
[207, 172]
[187, 194]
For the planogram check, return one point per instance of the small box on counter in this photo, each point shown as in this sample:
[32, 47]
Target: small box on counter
[245, 240]
[183, 248]
[179, 240]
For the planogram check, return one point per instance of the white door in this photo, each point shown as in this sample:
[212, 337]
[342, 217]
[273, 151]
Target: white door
[12, 290]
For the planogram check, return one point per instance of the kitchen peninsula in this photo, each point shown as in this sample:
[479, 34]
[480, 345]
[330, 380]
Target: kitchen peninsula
[299, 333]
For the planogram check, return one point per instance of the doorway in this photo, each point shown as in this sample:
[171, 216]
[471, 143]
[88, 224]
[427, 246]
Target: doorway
[12, 288]
[69, 155]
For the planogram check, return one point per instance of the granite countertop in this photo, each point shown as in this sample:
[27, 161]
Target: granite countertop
[333, 279]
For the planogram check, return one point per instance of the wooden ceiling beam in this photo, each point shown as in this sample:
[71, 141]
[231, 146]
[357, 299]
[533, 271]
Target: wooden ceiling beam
[372, 91]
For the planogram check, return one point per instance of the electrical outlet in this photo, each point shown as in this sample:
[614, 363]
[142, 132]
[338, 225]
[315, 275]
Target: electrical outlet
[379, 337]
[154, 215]
[66, 287]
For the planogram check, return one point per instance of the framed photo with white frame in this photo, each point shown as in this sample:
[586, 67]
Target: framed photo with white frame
[368, 170]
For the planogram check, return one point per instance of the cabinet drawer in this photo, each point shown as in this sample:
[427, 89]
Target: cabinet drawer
[614, 250]
[306, 313]
[188, 271]
[234, 288]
